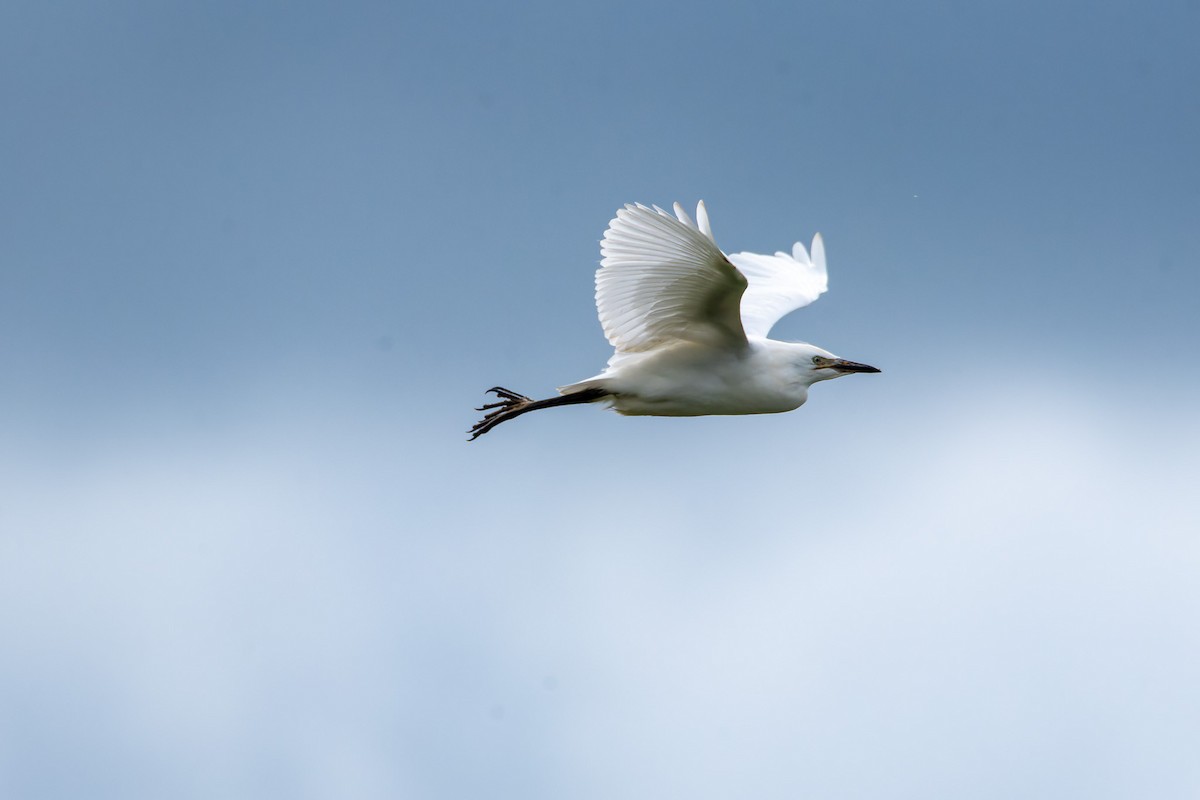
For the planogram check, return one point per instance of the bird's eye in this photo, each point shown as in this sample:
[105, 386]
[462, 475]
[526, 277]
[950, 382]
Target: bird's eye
[817, 360]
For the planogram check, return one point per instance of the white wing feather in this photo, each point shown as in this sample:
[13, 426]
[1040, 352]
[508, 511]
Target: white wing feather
[780, 284]
[663, 280]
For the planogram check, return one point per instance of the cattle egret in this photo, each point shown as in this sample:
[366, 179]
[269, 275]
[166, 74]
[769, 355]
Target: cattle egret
[689, 325]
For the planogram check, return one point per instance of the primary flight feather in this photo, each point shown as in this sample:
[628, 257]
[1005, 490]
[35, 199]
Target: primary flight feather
[688, 325]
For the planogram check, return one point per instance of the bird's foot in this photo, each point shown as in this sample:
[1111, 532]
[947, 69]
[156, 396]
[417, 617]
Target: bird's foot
[507, 398]
[508, 401]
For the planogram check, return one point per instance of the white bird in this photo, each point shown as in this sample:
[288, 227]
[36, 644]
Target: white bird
[689, 325]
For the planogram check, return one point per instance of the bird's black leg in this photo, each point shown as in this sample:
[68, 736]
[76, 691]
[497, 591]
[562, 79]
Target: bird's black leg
[510, 405]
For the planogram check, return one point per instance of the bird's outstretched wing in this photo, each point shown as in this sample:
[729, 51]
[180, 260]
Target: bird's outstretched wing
[663, 280]
[780, 284]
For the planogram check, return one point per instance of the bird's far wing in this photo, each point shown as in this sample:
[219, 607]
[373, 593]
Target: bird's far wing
[662, 280]
[780, 284]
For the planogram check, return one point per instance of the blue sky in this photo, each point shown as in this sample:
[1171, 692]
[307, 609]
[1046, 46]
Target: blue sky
[259, 262]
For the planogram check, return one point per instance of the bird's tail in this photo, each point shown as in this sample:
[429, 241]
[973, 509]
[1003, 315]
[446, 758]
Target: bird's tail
[509, 404]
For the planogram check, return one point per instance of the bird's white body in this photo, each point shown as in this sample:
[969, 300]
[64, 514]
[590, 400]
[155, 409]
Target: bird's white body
[689, 325]
[686, 379]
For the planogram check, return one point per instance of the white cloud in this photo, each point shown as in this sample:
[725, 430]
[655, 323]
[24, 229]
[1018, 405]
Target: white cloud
[993, 600]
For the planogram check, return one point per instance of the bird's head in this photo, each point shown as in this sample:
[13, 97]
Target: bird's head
[816, 364]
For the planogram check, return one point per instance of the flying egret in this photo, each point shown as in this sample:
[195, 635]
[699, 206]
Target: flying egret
[689, 325]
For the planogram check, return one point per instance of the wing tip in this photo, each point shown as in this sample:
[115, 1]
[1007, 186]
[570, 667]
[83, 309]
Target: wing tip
[818, 252]
[702, 222]
[683, 215]
[799, 254]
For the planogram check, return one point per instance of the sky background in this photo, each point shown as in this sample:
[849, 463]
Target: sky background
[259, 261]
